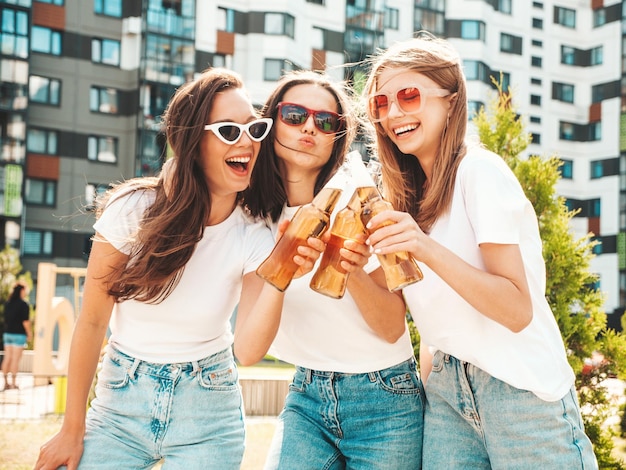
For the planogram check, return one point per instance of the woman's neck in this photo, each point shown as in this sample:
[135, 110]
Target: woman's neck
[221, 208]
[300, 187]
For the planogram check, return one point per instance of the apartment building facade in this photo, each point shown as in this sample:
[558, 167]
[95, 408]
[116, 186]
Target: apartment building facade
[83, 85]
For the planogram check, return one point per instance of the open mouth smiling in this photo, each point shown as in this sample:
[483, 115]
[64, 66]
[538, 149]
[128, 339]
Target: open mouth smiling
[238, 163]
[405, 129]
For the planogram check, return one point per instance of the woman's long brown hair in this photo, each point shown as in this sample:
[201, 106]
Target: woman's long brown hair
[174, 224]
[266, 195]
[403, 177]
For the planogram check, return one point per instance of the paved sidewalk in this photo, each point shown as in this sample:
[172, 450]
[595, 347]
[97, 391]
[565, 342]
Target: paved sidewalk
[29, 401]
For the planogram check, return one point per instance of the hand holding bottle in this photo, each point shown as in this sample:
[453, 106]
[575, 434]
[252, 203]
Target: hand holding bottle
[310, 221]
[306, 255]
[347, 233]
[391, 231]
[399, 266]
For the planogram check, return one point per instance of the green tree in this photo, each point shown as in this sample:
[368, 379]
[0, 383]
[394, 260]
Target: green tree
[570, 288]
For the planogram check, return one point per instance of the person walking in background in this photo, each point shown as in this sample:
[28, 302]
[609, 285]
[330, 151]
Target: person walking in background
[356, 400]
[499, 390]
[17, 333]
[171, 258]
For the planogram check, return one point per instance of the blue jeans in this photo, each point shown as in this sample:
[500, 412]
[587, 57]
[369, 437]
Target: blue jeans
[473, 420]
[189, 414]
[351, 421]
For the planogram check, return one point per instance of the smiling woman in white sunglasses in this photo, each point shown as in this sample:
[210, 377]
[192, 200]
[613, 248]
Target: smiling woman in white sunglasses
[171, 258]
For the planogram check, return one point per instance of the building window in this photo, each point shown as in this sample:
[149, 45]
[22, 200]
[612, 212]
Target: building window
[275, 68]
[41, 192]
[471, 29]
[535, 100]
[504, 6]
[580, 132]
[563, 92]
[538, 5]
[605, 244]
[535, 119]
[596, 56]
[599, 17]
[537, 23]
[42, 141]
[169, 60]
[44, 90]
[317, 2]
[565, 17]
[392, 18]
[566, 131]
[537, 43]
[218, 60]
[226, 20]
[92, 192]
[475, 70]
[38, 242]
[108, 8]
[605, 91]
[567, 169]
[536, 61]
[511, 44]
[597, 169]
[45, 41]
[585, 208]
[102, 149]
[103, 100]
[506, 81]
[53, 2]
[595, 131]
[14, 33]
[105, 51]
[430, 20]
[595, 208]
[568, 55]
[535, 138]
[279, 24]
[536, 81]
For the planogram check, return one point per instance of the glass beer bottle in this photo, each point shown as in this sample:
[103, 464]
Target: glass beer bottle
[400, 268]
[311, 220]
[330, 278]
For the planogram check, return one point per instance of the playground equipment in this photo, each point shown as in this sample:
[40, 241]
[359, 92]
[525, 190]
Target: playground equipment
[54, 314]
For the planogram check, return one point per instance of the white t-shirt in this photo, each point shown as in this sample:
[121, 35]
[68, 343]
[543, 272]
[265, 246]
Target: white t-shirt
[193, 322]
[322, 333]
[489, 206]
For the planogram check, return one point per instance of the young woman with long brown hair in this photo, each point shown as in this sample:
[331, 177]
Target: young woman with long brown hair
[172, 257]
[356, 399]
[499, 390]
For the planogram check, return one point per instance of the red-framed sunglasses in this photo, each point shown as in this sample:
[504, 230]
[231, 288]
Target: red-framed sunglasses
[410, 99]
[293, 114]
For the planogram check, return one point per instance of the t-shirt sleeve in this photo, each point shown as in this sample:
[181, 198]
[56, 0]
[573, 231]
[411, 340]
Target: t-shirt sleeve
[494, 199]
[24, 312]
[119, 221]
[259, 244]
